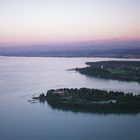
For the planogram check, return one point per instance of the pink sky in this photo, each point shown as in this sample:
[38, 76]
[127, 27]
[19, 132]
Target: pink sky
[68, 20]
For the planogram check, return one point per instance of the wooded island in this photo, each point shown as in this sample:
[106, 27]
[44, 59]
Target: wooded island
[93, 100]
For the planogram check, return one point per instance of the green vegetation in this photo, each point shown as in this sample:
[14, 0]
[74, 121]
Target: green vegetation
[118, 70]
[92, 100]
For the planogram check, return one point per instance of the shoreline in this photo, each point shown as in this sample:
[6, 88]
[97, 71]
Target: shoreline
[116, 70]
[135, 58]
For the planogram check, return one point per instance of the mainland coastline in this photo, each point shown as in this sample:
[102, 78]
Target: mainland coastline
[116, 70]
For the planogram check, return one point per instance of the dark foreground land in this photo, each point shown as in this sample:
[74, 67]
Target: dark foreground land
[118, 70]
[91, 100]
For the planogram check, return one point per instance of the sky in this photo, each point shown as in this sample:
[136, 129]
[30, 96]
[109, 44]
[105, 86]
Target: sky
[45, 21]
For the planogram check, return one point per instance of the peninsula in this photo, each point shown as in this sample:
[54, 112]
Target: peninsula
[93, 100]
[117, 70]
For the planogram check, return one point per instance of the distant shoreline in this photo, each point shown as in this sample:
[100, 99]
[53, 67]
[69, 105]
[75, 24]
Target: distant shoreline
[136, 58]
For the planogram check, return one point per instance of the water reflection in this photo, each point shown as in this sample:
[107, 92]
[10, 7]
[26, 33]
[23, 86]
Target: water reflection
[54, 107]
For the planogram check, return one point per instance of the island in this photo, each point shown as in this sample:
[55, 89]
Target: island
[91, 100]
[117, 70]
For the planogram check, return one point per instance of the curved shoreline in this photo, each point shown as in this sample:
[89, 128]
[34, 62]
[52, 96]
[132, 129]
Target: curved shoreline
[116, 70]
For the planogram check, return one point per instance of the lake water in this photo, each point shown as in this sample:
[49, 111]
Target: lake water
[21, 77]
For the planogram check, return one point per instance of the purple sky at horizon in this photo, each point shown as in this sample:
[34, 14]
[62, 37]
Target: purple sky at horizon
[45, 21]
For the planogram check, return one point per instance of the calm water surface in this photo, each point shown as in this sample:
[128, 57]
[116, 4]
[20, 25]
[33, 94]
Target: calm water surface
[21, 77]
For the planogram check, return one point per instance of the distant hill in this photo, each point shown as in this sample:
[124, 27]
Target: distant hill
[101, 48]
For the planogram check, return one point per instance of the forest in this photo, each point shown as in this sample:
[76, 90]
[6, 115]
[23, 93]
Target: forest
[91, 100]
[117, 70]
